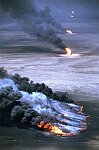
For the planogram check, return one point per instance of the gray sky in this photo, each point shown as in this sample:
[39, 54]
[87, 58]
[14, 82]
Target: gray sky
[59, 8]
[82, 8]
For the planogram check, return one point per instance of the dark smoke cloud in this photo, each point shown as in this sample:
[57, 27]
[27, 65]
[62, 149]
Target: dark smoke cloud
[35, 22]
[19, 108]
[18, 7]
[15, 112]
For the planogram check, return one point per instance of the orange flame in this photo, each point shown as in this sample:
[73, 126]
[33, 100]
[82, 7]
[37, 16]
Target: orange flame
[41, 124]
[68, 51]
[53, 129]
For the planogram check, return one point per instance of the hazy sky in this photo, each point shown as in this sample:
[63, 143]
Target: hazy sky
[90, 2]
[62, 8]
[82, 8]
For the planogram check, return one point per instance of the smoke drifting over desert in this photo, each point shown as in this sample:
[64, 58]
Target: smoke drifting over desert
[33, 21]
[26, 104]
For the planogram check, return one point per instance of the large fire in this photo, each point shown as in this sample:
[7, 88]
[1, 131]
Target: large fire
[53, 129]
[68, 51]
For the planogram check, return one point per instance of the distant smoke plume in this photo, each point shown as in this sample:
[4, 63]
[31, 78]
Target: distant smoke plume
[35, 22]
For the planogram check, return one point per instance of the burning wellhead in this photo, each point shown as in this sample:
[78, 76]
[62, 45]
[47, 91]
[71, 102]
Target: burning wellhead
[26, 104]
[68, 51]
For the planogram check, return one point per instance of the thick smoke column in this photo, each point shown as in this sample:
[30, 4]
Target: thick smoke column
[35, 22]
[26, 104]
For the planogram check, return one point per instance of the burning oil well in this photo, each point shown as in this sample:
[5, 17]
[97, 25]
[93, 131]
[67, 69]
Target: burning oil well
[34, 21]
[26, 104]
[37, 23]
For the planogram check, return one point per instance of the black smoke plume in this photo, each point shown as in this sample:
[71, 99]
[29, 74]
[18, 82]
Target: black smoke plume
[27, 105]
[3, 73]
[17, 8]
[13, 111]
[35, 22]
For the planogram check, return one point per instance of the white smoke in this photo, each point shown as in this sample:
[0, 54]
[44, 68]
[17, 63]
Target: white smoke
[7, 82]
